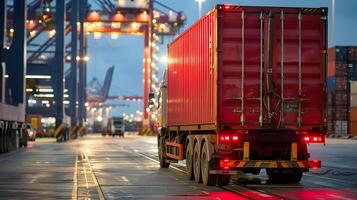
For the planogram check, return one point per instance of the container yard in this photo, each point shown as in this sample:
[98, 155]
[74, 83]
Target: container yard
[178, 99]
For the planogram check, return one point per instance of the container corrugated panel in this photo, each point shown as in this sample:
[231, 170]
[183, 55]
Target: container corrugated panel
[353, 102]
[353, 114]
[341, 83]
[330, 98]
[352, 54]
[341, 127]
[342, 98]
[191, 77]
[236, 75]
[341, 69]
[353, 91]
[331, 112]
[352, 71]
[342, 112]
[330, 126]
[331, 85]
[331, 70]
[353, 128]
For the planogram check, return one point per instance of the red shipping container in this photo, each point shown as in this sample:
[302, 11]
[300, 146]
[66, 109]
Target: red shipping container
[353, 114]
[353, 128]
[331, 70]
[218, 67]
[331, 54]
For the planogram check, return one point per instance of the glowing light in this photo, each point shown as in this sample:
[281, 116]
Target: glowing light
[11, 30]
[44, 95]
[114, 36]
[116, 25]
[38, 76]
[164, 59]
[86, 58]
[52, 33]
[135, 26]
[33, 33]
[97, 35]
[99, 118]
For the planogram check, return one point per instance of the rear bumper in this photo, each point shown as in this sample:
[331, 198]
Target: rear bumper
[270, 164]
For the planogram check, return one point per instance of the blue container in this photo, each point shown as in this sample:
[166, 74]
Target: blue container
[331, 84]
[341, 53]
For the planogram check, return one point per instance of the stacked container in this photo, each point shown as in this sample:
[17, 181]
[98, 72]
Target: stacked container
[353, 109]
[342, 68]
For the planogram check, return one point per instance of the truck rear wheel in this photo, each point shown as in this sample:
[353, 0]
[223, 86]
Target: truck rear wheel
[197, 163]
[207, 178]
[223, 179]
[162, 158]
[189, 164]
[279, 177]
[2, 141]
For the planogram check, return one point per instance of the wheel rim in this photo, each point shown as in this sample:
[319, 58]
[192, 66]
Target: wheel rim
[196, 160]
[188, 160]
[204, 164]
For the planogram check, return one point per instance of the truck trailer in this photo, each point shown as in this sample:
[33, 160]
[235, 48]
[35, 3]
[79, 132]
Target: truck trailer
[245, 90]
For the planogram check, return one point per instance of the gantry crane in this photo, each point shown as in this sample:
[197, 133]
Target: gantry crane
[47, 24]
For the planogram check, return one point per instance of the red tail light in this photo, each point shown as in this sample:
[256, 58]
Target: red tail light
[315, 164]
[225, 164]
[227, 7]
[228, 138]
[314, 139]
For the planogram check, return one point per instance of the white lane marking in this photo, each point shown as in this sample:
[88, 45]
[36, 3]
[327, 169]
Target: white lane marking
[339, 197]
[75, 181]
[124, 178]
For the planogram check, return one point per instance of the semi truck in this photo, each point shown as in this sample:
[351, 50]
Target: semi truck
[115, 126]
[245, 90]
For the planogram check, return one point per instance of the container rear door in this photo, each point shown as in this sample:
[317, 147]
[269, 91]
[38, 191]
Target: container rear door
[271, 71]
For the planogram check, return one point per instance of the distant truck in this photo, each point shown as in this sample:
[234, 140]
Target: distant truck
[245, 90]
[36, 125]
[115, 126]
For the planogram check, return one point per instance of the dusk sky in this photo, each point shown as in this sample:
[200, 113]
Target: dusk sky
[126, 53]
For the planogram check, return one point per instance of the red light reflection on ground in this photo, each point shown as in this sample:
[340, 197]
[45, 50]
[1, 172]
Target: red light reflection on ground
[225, 196]
[326, 194]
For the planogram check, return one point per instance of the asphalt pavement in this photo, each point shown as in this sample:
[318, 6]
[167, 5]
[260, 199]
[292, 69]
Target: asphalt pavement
[97, 167]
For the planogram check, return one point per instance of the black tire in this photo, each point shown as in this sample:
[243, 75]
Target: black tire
[279, 177]
[223, 179]
[2, 149]
[7, 141]
[189, 163]
[197, 163]
[207, 178]
[162, 158]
